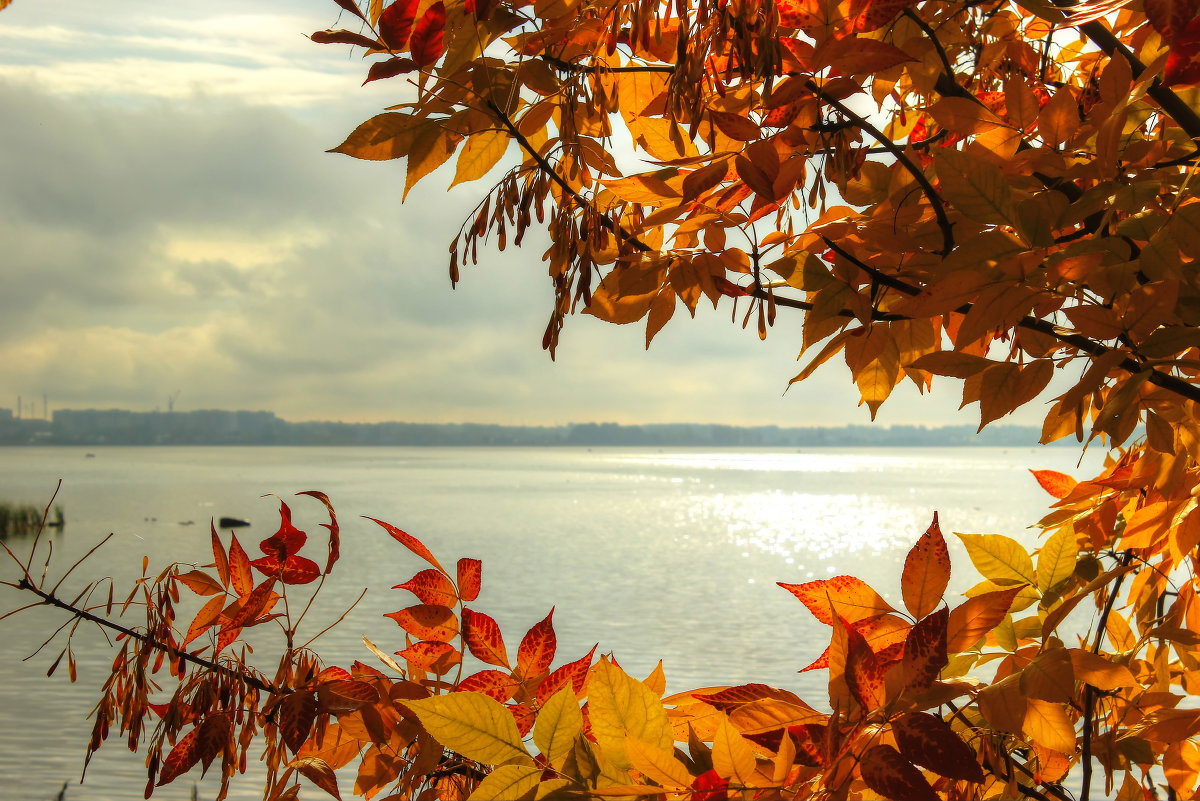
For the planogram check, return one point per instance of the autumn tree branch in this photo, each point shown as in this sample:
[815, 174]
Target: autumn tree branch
[50, 599]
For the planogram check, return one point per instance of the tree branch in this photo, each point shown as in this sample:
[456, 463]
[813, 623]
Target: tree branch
[935, 200]
[48, 598]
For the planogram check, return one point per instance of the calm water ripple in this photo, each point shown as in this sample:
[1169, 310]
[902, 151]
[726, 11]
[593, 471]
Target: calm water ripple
[652, 554]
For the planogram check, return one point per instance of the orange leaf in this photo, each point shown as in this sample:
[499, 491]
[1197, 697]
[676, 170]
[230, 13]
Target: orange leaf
[436, 657]
[296, 715]
[535, 654]
[926, 572]
[428, 622]
[1047, 725]
[470, 574]
[926, 740]
[239, 569]
[1057, 484]
[252, 606]
[483, 638]
[846, 596]
[430, 587]
[735, 126]
[208, 614]
[318, 772]
[493, 683]
[977, 616]
[893, 776]
[411, 543]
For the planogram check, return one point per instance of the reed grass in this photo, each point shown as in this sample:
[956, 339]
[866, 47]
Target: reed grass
[21, 519]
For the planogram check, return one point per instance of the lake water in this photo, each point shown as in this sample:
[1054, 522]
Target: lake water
[653, 554]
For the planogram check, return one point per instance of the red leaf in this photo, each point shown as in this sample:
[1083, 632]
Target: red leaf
[296, 715]
[436, 657]
[893, 776]
[735, 126]
[396, 21]
[925, 650]
[349, 5]
[733, 697]
[523, 716]
[426, 44]
[335, 540]
[411, 543]
[343, 37]
[212, 738]
[1057, 484]
[493, 683]
[1170, 17]
[239, 569]
[219, 553]
[296, 570]
[926, 572]
[536, 651]
[872, 15]
[483, 638]
[382, 70]
[926, 740]
[846, 596]
[352, 692]
[575, 672]
[428, 622]
[181, 759]
[797, 13]
[863, 671]
[709, 786]
[200, 582]
[1183, 63]
[470, 574]
[431, 587]
[287, 540]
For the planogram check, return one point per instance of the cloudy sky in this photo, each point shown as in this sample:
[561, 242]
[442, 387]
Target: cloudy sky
[170, 222]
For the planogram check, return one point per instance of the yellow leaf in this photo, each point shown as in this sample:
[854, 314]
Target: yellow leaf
[1047, 725]
[507, 783]
[732, 756]
[975, 187]
[431, 149]
[1056, 559]
[656, 764]
[384, 136]
[657, 680]
[476, 726]
[619, 705]
[771, 714]
[1059, 118]
[558, 723]
[999, 558]
[480, 154]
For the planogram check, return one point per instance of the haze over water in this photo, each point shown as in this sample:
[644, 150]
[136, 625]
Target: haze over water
[652, 553]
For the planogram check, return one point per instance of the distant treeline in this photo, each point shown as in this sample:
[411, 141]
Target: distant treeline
[216, 427]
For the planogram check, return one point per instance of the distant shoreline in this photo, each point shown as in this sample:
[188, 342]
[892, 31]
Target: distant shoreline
[118, 427]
